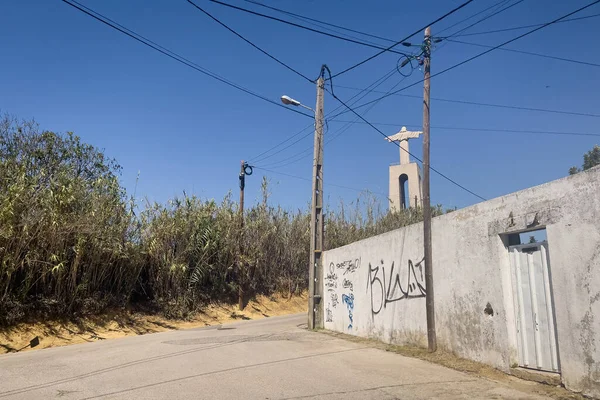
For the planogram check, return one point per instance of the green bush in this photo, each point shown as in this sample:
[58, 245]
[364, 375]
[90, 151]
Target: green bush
[64, 227]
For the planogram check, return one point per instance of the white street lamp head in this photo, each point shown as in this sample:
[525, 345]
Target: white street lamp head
[289, 101]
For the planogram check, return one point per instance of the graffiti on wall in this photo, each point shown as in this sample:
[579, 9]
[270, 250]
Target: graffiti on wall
[342, 271]
[348, 300]
[347, 284]
[388, 288]
[348, 266]
[334, 299]
[331, 278]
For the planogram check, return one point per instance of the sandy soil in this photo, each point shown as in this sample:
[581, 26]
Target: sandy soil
[122, 323]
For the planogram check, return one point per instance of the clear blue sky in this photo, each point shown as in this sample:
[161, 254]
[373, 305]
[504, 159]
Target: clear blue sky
[185, 131]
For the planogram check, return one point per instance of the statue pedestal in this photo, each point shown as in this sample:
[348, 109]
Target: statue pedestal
[405, 185]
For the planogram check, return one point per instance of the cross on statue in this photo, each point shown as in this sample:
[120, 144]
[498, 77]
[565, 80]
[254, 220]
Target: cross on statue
[403, 137]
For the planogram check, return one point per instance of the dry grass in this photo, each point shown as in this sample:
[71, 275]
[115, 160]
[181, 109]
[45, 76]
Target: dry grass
[452, 361]
[124, 323]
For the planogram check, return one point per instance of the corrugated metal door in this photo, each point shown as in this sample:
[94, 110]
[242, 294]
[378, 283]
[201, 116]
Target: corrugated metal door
[536, 333]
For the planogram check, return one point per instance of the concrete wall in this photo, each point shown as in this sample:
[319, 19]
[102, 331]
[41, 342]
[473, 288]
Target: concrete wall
[375, 288]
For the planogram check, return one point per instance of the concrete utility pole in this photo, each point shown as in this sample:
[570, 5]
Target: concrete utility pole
[315, 275]
[429, 298]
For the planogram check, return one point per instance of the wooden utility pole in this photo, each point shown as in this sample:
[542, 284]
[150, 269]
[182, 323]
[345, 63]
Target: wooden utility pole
[241, 270]
[429, 298]
[315, 275]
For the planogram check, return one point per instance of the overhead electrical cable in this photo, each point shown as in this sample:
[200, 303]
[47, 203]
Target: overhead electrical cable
[397, 144]
[330, 184]
[483, 53]
[402, 40]
[308, 28]
[251, 43]
[498, 4]
[514, 28]
[487, 17]
[508, 106]
[260, 158]
[570, 60]
[171, 54]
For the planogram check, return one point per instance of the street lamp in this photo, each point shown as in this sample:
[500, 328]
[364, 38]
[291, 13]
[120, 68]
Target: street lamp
[287, 100]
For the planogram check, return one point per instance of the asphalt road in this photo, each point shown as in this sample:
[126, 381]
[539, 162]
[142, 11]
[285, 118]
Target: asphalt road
[274, 358]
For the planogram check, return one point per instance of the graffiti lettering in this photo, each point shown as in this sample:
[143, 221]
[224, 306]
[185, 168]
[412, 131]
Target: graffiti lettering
[348, 300]
[329, 317]
[388, 291]
[348, 266]
[348, 285]
[331, 278]
[334, 300]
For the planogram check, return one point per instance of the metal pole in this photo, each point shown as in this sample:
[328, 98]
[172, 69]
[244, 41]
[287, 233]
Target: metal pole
[240, 261]
[315, 275]
[429, 297]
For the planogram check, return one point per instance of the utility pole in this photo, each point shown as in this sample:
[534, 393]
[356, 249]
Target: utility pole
[315, 274]
[242, 187]
[429, 298]
[245, 169]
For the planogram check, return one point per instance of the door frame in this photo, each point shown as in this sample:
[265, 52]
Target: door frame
[518, 313]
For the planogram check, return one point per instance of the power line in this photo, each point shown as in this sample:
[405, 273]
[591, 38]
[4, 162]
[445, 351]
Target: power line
[303, 153]
[304, 17]
[320, 24]
[107, 21]
[383, 49]
[487, 17]
[522, 27]
[337, 134]
[415, 157]
[372, 85]
[318, 21]
[400, 41]
[330, 184]
[527, 52]
[255, 159]
[371, 106]
[476, 104]
[459, 65]
[250, 43]
[484, 53]
[286, 147]
[456, 34]
[458, 128]
[498, 4]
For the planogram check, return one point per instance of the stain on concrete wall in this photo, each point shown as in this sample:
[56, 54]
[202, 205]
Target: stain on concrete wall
[375, 287]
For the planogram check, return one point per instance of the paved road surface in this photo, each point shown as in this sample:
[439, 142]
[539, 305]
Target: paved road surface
[275, 358]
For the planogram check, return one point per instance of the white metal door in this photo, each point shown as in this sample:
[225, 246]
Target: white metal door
[536, 334]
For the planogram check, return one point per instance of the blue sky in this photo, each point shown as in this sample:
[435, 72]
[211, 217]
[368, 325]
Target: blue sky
[185, 131]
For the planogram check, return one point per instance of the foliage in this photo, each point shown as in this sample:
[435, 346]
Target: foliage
[590, 160]
[64, 228]
[71, 242]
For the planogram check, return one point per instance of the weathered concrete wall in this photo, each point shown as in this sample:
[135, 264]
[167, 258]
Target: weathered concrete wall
[375, 288]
